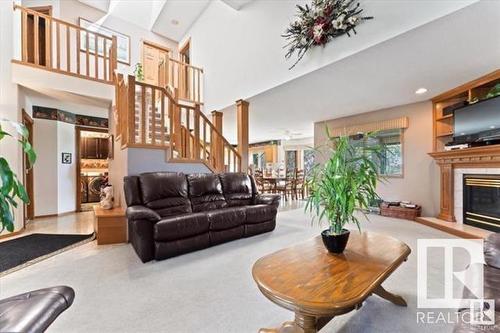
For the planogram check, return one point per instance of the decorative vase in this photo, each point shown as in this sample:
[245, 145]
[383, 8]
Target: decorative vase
[335, 243]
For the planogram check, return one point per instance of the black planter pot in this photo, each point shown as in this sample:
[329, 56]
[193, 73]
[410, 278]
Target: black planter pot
[335, 243]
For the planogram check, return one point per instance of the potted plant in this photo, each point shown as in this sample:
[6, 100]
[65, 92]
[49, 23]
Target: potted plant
[11, 188]
[138, 72]
[343, 184]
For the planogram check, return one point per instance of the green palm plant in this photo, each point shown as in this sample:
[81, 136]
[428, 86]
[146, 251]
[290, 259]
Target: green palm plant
[346, 182]
[11, 188]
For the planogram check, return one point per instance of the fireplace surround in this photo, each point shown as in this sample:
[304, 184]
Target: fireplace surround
[481, 201]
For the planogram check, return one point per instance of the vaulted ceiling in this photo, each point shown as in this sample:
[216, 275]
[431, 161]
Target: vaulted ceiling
[168, 18]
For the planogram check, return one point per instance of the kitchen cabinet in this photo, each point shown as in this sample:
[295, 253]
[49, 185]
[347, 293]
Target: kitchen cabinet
[94, 148]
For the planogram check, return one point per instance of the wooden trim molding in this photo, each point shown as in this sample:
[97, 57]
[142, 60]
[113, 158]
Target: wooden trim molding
[384, 125]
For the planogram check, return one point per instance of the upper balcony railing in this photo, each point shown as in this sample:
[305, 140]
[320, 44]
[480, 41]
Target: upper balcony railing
[186, 78]
[52, 44]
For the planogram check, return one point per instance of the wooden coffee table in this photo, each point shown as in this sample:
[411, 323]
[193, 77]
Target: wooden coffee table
[316, 285]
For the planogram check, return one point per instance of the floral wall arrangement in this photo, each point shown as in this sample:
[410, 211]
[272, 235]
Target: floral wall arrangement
[319, 23]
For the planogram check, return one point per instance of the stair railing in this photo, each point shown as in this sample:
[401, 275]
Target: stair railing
[149, 116]
[69, 49]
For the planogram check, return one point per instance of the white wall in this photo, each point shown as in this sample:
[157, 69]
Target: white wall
[242, 51]
[45, 170]
[66, 173]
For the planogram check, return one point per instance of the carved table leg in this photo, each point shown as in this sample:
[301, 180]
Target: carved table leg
[398, 300]
[302, 324]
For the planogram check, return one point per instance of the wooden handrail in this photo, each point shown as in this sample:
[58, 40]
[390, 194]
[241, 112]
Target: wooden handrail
[185, 64]
[220, 135]
[67, 57]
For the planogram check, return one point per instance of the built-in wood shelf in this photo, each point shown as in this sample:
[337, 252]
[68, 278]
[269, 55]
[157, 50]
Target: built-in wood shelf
[443, 124]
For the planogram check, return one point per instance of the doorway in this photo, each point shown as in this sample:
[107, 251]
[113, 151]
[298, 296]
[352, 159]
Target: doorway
[92, 152]
[43, 37]
[29, 209]
[154, 61]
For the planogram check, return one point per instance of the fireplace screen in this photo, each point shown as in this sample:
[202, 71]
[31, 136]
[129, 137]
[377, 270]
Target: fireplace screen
[482, 201]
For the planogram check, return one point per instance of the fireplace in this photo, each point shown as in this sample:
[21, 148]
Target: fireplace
[481, 206]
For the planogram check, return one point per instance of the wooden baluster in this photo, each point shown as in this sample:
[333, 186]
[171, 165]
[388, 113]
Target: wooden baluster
[153, 111]
[204, 140]
[105, 60]
[188, 133]
[196, 144]
[171, 137]
[162, 118]
[198, 96]
[48, 42]
[78, 49]
[131, 108]
[143, 114]
[87, 53]
[58, 45]
[96, 56]
[24, 38]
[114, 58]
[36, 40]
[68, 51]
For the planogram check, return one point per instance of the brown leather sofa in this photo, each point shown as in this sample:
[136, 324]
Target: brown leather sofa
[491, 285]
[170, 214]
[34, 311]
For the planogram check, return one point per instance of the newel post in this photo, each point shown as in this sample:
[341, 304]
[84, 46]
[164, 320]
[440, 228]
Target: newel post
[217, 143]
[242, 116]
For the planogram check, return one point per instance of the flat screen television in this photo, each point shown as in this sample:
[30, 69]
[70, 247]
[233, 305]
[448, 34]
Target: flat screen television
[478, 121]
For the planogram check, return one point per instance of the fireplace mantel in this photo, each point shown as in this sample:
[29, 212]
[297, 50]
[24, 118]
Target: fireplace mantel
[477, 157]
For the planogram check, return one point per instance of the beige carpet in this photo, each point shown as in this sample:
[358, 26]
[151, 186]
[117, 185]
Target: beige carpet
[211, 290]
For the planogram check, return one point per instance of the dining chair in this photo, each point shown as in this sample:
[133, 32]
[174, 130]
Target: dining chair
[261, 183]
[287, 187]
[300, 185]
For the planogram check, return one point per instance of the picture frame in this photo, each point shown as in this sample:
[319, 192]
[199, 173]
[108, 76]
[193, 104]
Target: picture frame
[123, 41]
[66, 158]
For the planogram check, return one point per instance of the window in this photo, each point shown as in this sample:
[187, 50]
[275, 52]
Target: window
[390, 161]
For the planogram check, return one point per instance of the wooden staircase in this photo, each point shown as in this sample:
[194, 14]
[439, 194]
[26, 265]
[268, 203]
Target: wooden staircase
[148, 116]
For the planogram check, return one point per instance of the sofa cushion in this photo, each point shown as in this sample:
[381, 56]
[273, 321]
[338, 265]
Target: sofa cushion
[181, 226]
[492, 250]
[226, 218]
[165, 192]
[205, 192]
[260, 213]
[237, 188]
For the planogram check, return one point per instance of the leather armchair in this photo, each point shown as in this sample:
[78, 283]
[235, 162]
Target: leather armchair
[491, 287]
[170, 214]
[34, 311]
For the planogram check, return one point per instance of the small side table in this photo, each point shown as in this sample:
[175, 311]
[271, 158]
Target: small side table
[110, 225]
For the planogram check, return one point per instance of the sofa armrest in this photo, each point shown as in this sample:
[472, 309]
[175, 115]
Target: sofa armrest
[268, 199]
[142, 213]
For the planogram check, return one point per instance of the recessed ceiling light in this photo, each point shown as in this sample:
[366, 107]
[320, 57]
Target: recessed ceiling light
[420, 91]
[174, 22]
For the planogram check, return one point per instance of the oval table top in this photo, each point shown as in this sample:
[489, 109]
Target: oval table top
[308, 279]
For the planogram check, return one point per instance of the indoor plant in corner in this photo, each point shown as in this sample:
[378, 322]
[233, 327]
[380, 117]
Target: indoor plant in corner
[11, 187]
[344, 183]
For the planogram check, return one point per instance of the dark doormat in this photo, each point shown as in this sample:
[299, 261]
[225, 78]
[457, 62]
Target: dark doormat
[24, 251]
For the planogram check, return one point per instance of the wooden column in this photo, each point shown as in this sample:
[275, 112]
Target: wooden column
[446, 211]
[242, 122]
[217, 144]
